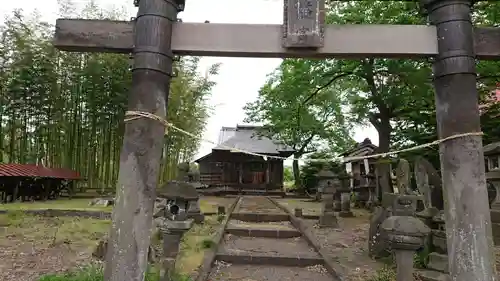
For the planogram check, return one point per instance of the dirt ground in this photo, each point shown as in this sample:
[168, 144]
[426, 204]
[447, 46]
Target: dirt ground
[308, 206]
[207, 204]
[347, 244]
[32, 246]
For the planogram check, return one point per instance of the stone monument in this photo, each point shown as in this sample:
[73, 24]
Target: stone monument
[344, 192]
[329, 183]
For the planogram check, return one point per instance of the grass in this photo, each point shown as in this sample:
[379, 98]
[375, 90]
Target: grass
[194, 245]
[61, 204]
[83, 234]
[207, 205]
[95, 273]
[385, 274]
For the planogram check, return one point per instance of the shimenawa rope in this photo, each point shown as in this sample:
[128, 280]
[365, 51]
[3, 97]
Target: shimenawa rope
[138, 114]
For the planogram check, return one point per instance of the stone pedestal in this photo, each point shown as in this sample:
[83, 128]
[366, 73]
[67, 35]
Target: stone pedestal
[221, 210]
[172, 232]
[328, 218]
[337, 202]
[345, 204]
[194, 211]
[405, 235]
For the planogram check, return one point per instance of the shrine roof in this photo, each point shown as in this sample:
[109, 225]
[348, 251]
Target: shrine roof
[247, 138]
[361, 149]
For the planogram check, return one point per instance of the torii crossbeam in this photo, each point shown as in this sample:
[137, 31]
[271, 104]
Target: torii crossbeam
[264, 40]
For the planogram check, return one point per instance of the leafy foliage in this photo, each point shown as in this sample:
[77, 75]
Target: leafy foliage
[296, 109]
[396, 96]
[66, 109]
[311, 168]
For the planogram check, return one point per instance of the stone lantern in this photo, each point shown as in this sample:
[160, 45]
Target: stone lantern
[325, 178]
[172, 223]
[492, 161]
[404, 234]
[182, 193]
[328, 185]
[343, 195]
[185, 196]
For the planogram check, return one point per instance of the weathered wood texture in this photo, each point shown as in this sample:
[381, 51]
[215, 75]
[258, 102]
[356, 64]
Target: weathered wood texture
[223, 168]
[126, 259]
[468, 222]
[261, 40]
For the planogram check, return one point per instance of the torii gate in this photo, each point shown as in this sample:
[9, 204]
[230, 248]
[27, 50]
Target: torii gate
[156, 35]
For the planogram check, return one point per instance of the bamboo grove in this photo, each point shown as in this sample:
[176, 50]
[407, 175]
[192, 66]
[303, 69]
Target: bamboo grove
[63, 109]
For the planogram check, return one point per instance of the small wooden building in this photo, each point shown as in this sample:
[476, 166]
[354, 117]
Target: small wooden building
[228, 167]
[359, 167]
[363, 173]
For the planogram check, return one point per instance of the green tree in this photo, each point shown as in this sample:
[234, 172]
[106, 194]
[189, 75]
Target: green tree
[298, 110]
[287, 174]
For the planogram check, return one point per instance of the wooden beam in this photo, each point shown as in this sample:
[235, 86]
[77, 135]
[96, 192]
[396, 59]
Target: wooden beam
[264, 40]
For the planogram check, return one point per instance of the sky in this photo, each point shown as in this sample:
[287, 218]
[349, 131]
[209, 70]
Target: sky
[239, 79]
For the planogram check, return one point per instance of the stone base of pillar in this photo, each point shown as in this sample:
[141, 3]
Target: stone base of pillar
[328, 219]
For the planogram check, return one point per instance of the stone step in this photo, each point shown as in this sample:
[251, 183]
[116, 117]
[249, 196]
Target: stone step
[429, 275]
[253, 217]
[256, 259]
[266, 233]
[438, 262]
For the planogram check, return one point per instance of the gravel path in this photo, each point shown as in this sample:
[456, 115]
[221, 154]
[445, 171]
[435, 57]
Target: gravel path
[257, 205]
[261, 225]
[227, 272]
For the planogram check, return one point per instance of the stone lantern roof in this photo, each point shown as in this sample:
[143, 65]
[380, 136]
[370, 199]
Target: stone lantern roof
[178, 190]
[492, 149]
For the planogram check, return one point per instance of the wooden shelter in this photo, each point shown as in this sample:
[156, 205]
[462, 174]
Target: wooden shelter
[363, 173]
[227, 167]
[363, 148]
[34, 182]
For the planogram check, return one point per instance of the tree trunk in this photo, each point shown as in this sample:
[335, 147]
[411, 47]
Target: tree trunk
[384, 129]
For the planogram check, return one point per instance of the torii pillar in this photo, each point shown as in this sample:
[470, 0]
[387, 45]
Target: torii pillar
[126, 259]
[468, 222]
